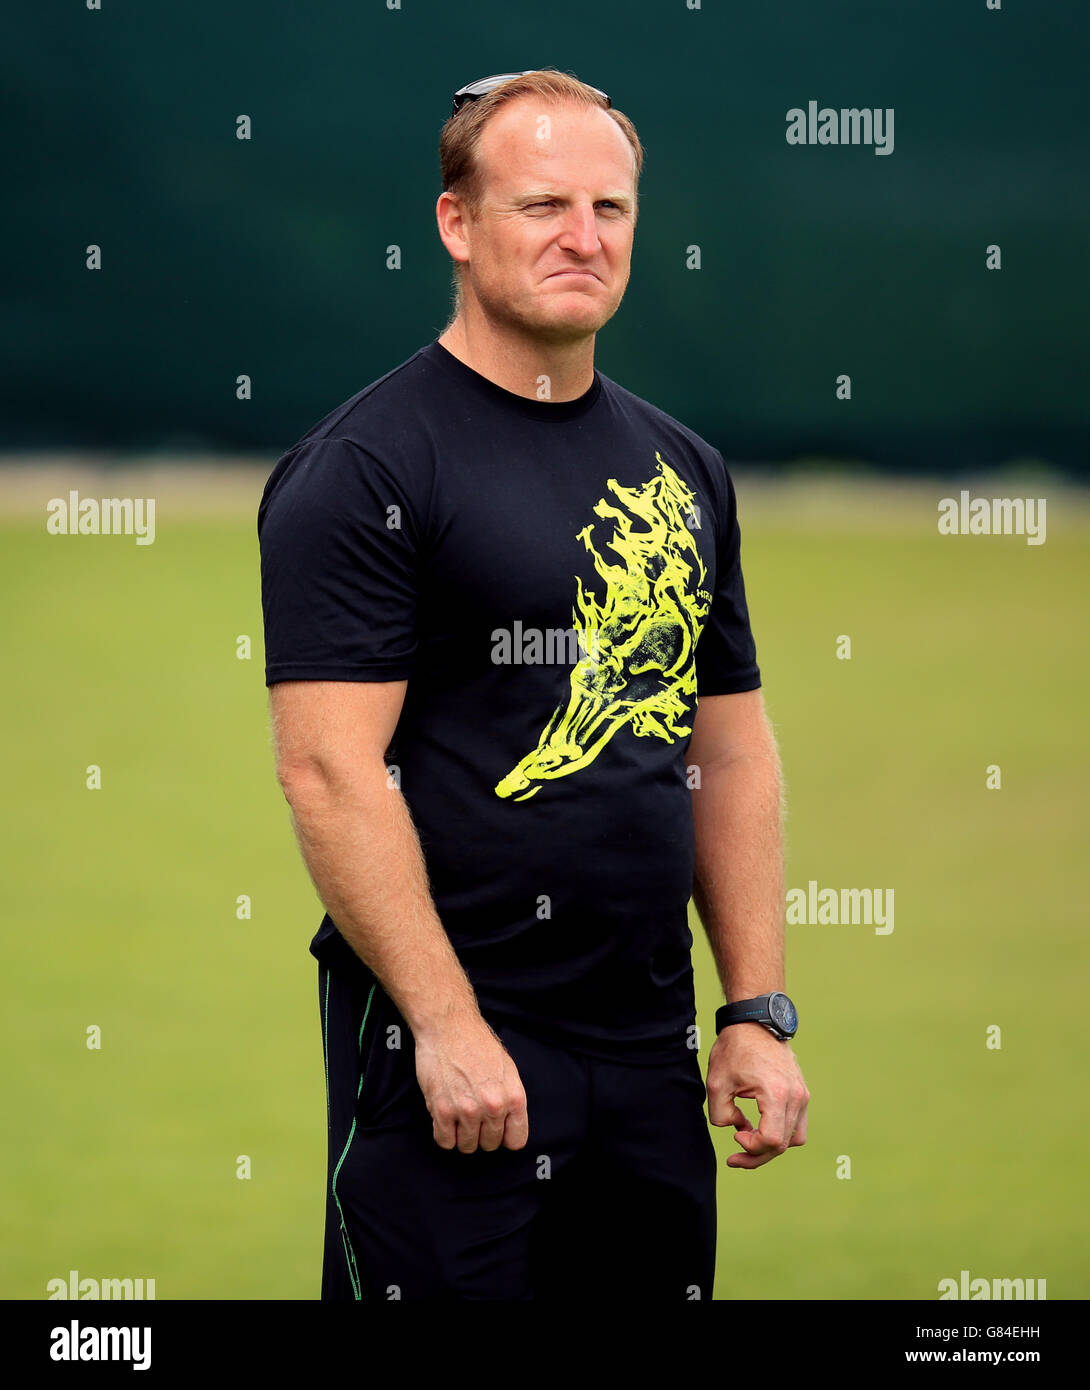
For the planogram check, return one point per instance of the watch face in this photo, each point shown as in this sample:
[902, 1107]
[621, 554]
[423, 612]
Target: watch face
[783, 1013]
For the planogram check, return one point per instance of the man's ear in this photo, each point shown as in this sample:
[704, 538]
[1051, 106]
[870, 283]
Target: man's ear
[453, 226]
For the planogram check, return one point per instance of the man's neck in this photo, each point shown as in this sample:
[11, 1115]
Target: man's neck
[525, 366]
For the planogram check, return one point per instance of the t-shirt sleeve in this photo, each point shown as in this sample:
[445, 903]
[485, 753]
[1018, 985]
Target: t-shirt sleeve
[726, 654]
[339, 532]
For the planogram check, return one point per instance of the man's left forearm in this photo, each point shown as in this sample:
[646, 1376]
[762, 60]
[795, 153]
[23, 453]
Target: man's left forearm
[738, 884]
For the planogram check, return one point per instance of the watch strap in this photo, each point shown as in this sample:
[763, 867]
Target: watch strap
[754, 1010]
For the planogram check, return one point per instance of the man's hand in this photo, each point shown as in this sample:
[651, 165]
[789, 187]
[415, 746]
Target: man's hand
[747, 1060]
[471, 1086]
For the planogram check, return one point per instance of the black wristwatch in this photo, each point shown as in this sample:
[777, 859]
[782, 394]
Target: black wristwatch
[775, 1011]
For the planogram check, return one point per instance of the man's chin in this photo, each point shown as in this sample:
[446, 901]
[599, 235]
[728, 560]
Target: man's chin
[572, 317]
[556, 317]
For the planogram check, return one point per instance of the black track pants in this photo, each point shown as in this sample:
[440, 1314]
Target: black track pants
[613, 1195]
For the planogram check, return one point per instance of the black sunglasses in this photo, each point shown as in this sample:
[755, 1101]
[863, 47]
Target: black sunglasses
[472, 90]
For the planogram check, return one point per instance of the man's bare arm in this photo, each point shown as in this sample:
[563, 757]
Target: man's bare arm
[738, 882]
[738, 889]
[363, 854]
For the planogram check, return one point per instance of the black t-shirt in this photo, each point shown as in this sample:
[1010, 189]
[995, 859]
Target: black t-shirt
[556, 581]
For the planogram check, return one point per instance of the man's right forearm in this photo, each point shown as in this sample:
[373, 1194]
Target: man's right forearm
[363, 854]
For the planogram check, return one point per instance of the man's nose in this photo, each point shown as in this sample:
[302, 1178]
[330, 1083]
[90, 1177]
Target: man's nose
[580, 232]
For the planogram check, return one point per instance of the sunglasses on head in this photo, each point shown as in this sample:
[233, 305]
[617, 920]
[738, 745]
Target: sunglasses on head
[472, 90]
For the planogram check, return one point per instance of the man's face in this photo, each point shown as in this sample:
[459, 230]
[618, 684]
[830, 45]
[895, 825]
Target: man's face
[550, 247]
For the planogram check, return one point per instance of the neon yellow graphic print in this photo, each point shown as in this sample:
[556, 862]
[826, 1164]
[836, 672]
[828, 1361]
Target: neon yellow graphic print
[640, 640]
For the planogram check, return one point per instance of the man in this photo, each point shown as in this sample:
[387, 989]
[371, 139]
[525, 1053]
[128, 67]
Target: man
[494, 584]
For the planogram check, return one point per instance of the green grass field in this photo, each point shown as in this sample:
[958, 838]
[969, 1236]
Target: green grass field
[120, 911]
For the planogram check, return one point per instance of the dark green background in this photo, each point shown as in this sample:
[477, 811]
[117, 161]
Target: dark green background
[267, 257]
